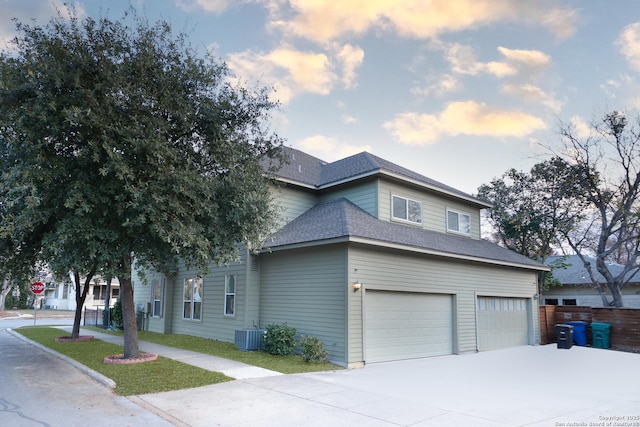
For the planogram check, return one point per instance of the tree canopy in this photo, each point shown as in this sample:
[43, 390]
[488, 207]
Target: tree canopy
[120, 141]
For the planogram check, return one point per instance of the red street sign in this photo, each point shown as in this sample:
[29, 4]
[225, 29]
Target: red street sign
[37, 288]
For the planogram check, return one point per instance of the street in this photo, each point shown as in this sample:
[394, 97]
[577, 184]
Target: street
[39, 389]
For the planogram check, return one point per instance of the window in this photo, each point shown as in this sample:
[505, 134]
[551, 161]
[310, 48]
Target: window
[192, 303]
[569, 302]
[157, 293]
[406, 209]
[229, 295]
[458, 222]
[99, 292]
[65, 291]
[551, 301]
[115, 293]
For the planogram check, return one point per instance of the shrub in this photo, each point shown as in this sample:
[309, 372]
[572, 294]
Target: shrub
[313, 349]
[116, 315]
[280, 340]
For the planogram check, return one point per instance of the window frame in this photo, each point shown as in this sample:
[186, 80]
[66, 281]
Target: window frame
[157, 283]
[459, 214]
[194, 305]
[228, 294]
[407, 201]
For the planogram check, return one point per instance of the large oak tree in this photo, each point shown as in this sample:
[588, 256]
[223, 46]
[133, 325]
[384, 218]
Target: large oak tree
[121, 142]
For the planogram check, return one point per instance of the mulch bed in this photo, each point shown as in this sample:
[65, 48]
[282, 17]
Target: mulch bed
[118, 359]
[80, 338]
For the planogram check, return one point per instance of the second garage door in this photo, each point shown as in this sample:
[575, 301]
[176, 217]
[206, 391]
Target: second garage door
[502, 322]
[405, 325]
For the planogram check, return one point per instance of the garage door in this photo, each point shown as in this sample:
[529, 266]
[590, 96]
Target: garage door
[405, 325]
[502, 322]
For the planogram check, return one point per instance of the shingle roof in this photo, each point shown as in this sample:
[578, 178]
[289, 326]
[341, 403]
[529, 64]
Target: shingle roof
[340, 218]
[311, 171]
[576, 274]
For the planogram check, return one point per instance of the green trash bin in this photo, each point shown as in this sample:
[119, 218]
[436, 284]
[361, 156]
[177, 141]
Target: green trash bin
[600, 333]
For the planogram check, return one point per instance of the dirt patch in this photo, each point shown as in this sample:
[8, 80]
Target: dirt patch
[118, 359]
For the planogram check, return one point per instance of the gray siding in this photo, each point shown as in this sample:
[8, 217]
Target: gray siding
[214, 324]
[363, 194]
[402, 271]
[291, 202]
[434, 207]
[306, 289]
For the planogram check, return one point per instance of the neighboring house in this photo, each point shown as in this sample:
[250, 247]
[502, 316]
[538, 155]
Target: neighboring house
[379, 262]
[62, 295]
[577, 288]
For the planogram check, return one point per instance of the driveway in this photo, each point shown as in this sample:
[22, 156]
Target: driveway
[523, 386]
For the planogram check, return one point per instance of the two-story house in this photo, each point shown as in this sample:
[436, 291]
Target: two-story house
[379, 262]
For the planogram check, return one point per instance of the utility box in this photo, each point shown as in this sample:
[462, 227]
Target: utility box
[600, 334]
[564, 333]
[249, 339]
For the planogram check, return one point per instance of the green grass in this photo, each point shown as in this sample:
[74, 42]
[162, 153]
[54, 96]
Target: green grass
[283, 364]
[140, 378]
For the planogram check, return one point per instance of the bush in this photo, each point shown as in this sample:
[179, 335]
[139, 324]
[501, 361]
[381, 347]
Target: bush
[116, 315]
[313, 349]
[280, 340]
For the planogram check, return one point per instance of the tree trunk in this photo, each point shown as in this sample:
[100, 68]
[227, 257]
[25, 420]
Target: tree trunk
[81, 296]
[6, 287]
[616, 294]
[131, 349]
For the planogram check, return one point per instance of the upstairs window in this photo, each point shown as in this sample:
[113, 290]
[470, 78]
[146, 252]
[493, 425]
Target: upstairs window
[458, 222]
[406, 209]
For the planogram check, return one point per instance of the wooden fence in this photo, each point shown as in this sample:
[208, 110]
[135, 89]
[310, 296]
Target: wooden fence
[625, 323]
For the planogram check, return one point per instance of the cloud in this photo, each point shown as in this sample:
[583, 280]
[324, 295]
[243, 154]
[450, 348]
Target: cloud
[328, 148]
[290, 72]
[351, 58]
[581, 129]
[213, 6]
[463, 60]
[442, 85]
[533, 93]
[39, 10]
[326, 20]
[629, 44]
[349, 120]
[461, 118]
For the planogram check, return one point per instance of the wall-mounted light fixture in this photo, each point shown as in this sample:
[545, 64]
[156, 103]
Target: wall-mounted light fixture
[536, 296]
[356, 286]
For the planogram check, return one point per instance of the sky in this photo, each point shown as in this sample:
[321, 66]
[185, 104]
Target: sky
[457, 90]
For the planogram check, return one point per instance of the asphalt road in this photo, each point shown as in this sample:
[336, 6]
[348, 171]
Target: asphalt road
[39, 389]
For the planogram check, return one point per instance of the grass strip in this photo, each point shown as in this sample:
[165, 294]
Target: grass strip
[139, 378]
[284, 364]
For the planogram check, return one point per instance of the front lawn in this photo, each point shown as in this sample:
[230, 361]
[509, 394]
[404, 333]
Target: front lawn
[140, 378]
[283, 364]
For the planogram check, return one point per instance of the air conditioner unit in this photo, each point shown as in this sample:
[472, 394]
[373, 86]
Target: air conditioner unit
[249, 339]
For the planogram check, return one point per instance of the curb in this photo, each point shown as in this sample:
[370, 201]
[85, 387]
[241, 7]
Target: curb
[108, 382]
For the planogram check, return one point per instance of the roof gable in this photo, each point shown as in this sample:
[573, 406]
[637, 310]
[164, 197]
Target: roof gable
[312, 172]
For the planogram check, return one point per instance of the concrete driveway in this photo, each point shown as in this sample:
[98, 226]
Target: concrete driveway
[523, 386]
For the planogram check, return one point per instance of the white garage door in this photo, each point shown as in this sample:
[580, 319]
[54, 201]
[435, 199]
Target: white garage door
[405, 325]
[502, 322]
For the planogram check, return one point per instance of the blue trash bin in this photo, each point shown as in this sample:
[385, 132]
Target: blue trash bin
[579, 332]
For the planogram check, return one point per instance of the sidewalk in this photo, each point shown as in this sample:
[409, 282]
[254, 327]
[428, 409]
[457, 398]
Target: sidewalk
[230, 368]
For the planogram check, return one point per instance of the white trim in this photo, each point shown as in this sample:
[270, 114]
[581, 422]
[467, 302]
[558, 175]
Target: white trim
[226, 294]
[407, 200]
